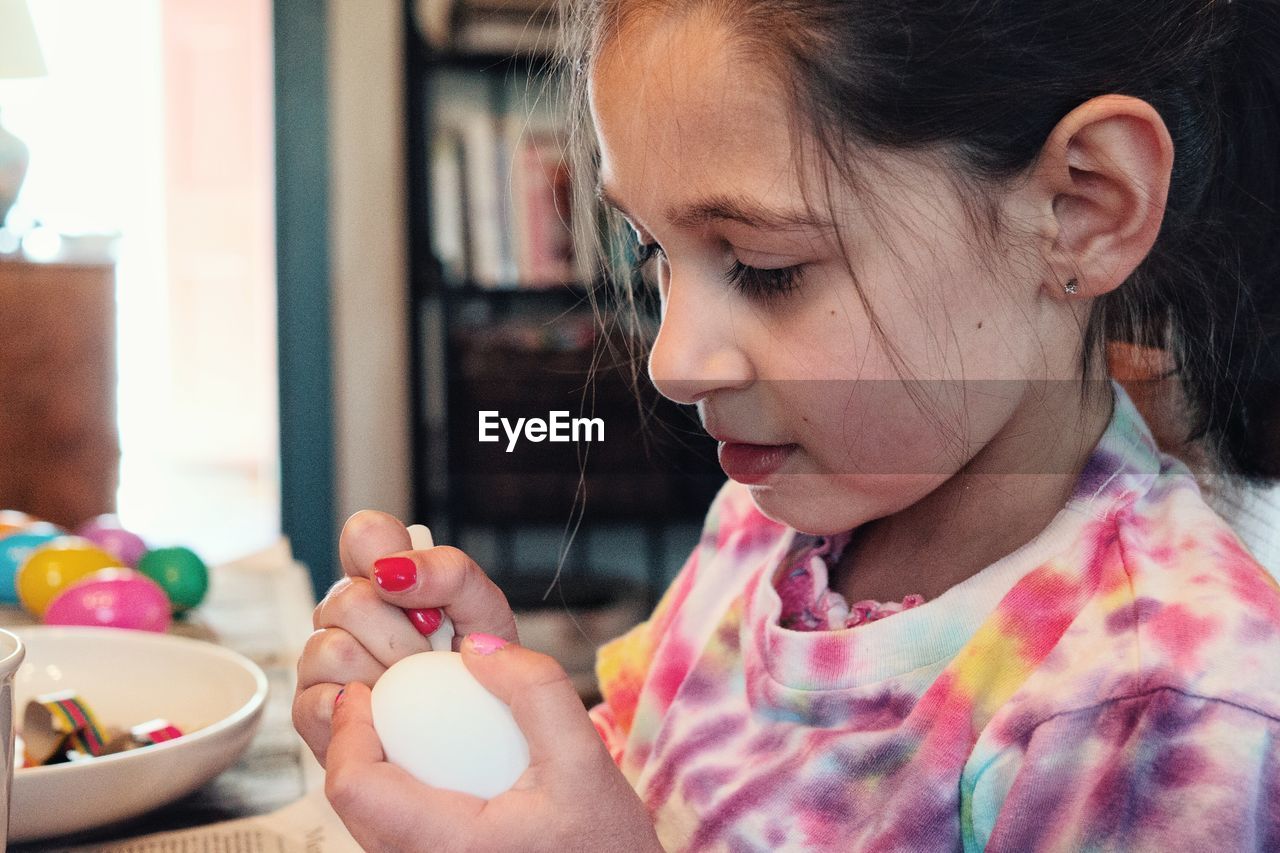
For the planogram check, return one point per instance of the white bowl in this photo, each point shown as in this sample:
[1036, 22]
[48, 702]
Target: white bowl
[212, 694]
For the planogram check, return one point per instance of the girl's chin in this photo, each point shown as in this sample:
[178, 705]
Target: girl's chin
[807, 509]
[823, 504]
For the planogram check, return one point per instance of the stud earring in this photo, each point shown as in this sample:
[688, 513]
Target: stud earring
[1071, 286]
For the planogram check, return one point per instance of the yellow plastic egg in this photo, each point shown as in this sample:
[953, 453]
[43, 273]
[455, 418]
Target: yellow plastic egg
[55, 567]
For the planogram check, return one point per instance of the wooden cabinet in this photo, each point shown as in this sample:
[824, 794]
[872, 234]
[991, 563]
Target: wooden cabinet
[59, 447]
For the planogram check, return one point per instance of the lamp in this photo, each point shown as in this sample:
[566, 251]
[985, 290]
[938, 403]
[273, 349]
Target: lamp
[19, 57]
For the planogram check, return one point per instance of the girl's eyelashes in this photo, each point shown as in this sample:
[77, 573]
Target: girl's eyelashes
[753, 282]
[763, 285]
[645, 253]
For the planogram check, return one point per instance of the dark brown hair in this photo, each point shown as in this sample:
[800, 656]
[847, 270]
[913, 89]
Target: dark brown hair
[987, 81]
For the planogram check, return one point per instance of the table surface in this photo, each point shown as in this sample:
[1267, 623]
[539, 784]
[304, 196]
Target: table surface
[261, 607]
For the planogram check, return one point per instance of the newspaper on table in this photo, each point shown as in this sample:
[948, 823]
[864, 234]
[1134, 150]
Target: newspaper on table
[306, 826]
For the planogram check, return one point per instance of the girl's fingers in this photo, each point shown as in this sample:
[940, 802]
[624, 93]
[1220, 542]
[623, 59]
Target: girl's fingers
[571, 778]
[332, 655]
[446, 577]
[313, 715]
[376, 546]
[330, 658]
[367, 536]
[382, 805]
[354, 605]
[543, 701]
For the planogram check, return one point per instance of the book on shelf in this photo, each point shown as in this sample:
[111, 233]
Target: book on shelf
[501, 200]
[448, 205]
[435, 21]
[463, 112]
[540, 195]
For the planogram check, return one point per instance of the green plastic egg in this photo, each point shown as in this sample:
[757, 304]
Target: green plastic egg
[181, 574]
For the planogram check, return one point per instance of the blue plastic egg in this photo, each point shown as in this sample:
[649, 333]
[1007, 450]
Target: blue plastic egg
[14, 551]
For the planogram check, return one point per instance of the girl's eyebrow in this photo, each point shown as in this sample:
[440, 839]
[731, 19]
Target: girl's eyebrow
[717, 208]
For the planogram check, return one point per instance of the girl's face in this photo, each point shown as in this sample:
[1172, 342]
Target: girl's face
[762, 325]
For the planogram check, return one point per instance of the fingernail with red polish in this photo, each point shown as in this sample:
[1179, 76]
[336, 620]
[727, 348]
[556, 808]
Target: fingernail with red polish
[486, 644]
[395, 574]
[337, 699]
[426, 619]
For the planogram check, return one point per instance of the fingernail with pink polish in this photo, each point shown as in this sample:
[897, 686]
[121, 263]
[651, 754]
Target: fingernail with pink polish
[395, 574]
[486, 644]
[426, 619]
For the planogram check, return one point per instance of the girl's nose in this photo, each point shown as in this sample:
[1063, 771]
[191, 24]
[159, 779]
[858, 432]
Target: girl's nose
[697, 350]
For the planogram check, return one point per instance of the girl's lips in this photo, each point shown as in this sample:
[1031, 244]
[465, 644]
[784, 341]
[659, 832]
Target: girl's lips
[753, 463]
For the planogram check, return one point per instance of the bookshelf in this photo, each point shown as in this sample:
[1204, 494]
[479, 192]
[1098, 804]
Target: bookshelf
[502, 321]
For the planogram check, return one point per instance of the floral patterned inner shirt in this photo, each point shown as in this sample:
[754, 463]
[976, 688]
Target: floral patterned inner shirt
[809, 605]
[1113, 684]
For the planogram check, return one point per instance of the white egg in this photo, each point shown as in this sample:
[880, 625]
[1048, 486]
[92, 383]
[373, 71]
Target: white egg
[442, 639]
[438, 723]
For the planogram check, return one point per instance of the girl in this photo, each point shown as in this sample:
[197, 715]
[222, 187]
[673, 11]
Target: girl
[954, 596]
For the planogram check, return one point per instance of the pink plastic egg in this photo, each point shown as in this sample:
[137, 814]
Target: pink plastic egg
[112, 598]
[105, 532]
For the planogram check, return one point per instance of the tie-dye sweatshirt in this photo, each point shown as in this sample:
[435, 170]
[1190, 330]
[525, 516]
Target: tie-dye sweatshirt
[1113, 684]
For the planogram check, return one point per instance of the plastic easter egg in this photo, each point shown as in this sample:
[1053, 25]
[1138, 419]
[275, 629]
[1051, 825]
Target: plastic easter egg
[56, 566]
[12, 520]
[180, 573]
[112, 598]
[14, 551]
[443, 727]
[105, 532]
[44, 527]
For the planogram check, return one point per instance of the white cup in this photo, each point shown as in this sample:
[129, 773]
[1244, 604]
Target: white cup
[11, 654]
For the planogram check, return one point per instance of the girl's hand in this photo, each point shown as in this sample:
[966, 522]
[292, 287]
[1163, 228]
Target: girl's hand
[361, 625]
[572, 797]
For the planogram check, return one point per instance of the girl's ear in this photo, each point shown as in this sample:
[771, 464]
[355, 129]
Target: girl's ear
[1103, 177]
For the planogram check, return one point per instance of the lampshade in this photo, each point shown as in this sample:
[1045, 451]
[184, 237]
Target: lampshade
[19, 50]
